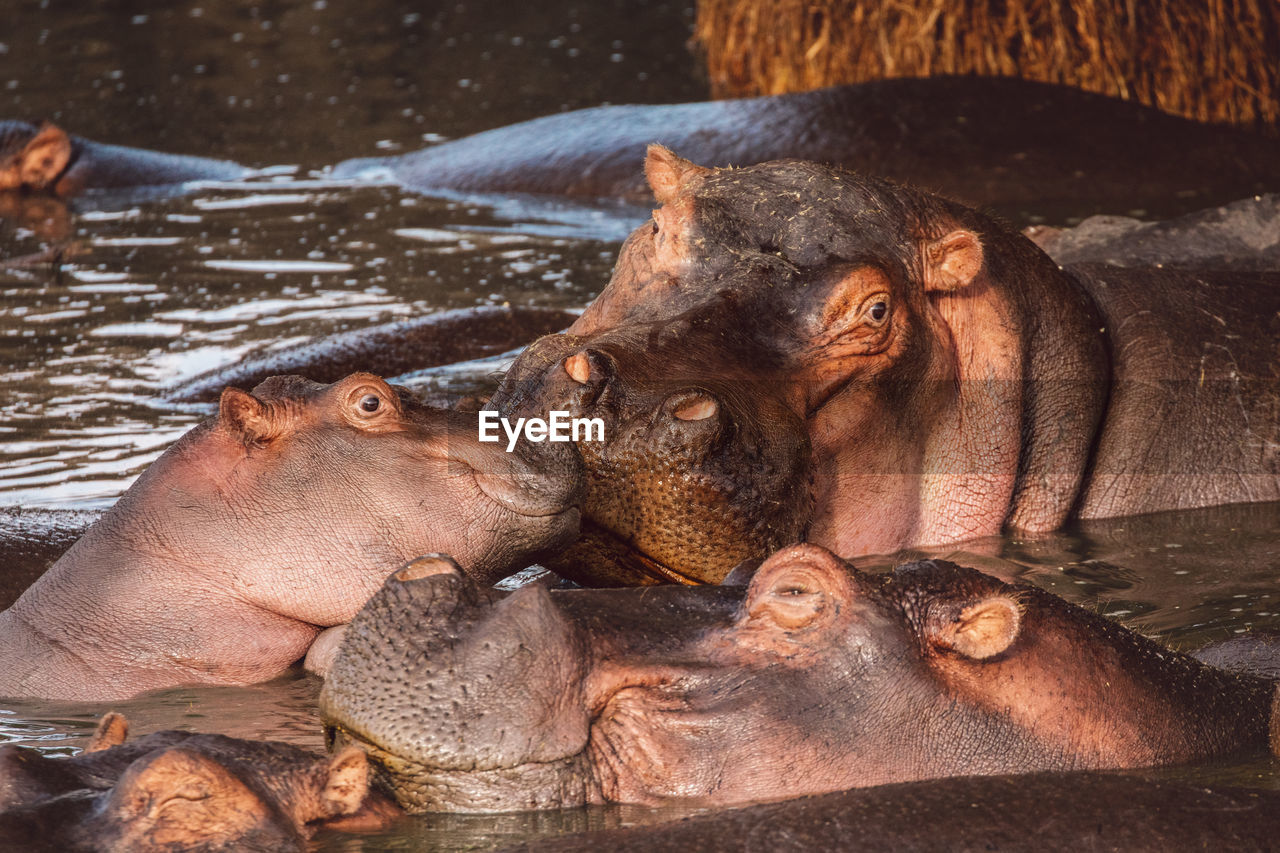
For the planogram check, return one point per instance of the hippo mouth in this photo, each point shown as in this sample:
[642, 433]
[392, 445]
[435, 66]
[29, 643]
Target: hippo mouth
[600, 543]
[421, 789]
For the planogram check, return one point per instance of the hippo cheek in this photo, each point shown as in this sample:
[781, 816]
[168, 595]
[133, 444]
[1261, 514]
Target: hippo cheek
[464, 700]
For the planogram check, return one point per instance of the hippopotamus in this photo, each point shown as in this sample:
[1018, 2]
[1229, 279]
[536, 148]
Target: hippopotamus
[813, 677]
[1076, 811]
[953, 380]
[45, 158]
[269, 522]
[689, 476]
[182, 790]
[1016, 146]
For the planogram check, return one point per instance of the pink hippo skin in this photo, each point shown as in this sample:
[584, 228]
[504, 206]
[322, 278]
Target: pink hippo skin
[954, 382]
[270, 522]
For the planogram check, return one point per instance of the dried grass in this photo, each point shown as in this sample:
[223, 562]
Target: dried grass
[1213, 60]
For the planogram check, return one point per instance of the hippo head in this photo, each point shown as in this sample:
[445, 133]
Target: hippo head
[31, 157]
[691, 473]
[330, 487]
[815, 677]
[883, 315]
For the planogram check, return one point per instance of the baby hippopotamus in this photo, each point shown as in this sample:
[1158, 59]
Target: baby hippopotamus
[175, 790]
[270, 522]
[815, 677]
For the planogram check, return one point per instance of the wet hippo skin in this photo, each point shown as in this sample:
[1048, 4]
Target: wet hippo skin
[273, 520]
[954, 382]
[175, 790]
[46, 158]
[1077, 811]
[813, 678]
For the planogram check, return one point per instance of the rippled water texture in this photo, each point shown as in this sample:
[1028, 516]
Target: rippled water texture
[146, 292]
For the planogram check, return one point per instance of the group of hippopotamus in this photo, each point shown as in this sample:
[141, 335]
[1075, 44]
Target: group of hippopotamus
[787, 352]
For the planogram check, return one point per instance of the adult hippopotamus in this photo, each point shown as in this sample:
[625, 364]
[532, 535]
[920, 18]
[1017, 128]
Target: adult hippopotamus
[175, 790]
[269, 522]
[813, 678]
[1016, 146]
[954, 381]
[45, 158]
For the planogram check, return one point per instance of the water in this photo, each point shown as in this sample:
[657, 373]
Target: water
[151, 291]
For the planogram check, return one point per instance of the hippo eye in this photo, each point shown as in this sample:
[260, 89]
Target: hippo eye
[370, 403]
[655, 226]
[878, 311]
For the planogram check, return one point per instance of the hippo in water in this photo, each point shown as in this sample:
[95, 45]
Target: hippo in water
[813, 678]
[270, 522]
[1009, 144]
[175, 790]
[45, 158]
[954, 381]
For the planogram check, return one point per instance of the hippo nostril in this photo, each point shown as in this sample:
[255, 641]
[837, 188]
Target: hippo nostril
[697, 409]
[426, 566]
[578, 366]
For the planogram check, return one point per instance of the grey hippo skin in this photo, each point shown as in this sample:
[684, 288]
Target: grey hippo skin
[46, 158]
[953, 380]
[270, 522]
[1012, 145]
[1044, 811]
[1243, 235]
[813, 678]
[174, 790]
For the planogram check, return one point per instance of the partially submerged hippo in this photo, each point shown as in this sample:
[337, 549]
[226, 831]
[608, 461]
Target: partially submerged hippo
[691, 475]
[270, 522]
[953, 380]
[813, 678]
[45, 158]
[174, 790]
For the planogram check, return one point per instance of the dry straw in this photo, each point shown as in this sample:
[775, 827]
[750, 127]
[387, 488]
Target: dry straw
[1214, 60]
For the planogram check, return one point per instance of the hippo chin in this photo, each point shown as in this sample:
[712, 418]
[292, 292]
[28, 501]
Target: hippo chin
[813, 678]
[270, 522]
[953, 381]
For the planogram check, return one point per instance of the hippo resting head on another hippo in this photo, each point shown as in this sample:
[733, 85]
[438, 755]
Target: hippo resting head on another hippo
[813, 678]
[273, 520]
[174, 790]
[952, 379]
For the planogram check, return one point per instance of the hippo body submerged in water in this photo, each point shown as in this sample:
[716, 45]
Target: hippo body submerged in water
[268, 523]
[954, 382]
[813, 678]
[1010, 144]
[175, 790]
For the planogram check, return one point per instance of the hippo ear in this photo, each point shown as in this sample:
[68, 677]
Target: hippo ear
[798, 588]
[668, 174]
[244, 415]
[980, 630]
[45, 157]
[346, 782]
[953, 261]
[112, 730]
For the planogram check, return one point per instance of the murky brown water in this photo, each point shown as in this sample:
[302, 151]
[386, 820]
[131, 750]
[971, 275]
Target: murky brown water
[153, 291]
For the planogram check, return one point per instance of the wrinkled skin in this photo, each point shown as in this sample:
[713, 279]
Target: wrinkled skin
[181, 790]
[268, 523]
[694, 474]
[813, 678]
[954, 382]
[1075, 811]
[47, 159]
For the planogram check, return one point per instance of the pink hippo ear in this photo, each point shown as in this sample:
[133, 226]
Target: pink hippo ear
[800, 588]
[244, 415]
[953, 261]
[668, 174]
[979, 631]
[45, 157]
[113, 730]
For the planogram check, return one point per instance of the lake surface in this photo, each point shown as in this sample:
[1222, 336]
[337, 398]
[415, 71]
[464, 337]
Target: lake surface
[150, 292]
